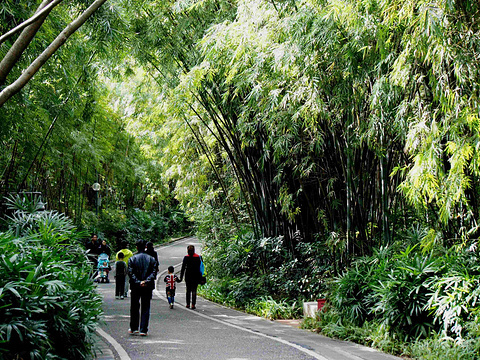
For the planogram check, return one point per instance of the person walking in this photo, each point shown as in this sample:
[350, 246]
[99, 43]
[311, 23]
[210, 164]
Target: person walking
[151, 251]
[191, 270]
[127, 254]
[104, 248]
[93, 249]
[171, 279]
[142, 269]
[120, 274]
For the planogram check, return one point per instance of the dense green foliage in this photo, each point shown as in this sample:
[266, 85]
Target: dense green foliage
[303, 120]
[116, 226]
[428, 299]
[63, 132]
[258, 275]
[305, 140]
[48, 303]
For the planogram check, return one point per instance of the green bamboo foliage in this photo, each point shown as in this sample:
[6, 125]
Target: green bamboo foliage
[285, 132]
[307, 115]
[60, 135]
[314, 106]
[436, 70]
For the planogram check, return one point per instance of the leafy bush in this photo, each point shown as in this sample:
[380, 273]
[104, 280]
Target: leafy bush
[49, 308]
[456, 296]
[352, 294]
[439, 347]
[430, 300]
[117, 226]
[269, 308]
[402, 297]
[329, 322]
[234, 292]
[393, 289]
[276, 271]
[28, 217]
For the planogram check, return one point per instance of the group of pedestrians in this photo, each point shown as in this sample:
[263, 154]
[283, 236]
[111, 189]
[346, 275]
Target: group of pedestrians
[95, 247]
[98, 254]
[141, 270]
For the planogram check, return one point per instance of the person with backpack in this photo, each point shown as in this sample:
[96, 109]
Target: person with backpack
[193, 276]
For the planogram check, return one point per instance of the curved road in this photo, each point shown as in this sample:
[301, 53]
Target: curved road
[212, 332]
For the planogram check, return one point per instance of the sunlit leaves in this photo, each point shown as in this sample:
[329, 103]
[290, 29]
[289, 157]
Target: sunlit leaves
[299, 82]
[436, 70]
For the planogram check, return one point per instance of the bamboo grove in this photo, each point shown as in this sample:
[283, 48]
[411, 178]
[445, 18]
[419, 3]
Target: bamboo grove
[346, 122]
[59, 134]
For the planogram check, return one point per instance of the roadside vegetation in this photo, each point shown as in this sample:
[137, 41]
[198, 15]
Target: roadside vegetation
[48, 303]
[408, 301]
[117, 226]
[320, 149]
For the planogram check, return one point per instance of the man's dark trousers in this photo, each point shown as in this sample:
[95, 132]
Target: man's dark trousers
[140, 297]
[142, 269]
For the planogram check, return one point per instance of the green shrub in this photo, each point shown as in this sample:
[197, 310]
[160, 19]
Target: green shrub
[117, 226]
[330, 323]
[49, 308]
[455, 298]
[353, 293]
[402, 296]
[271, 309]
[392, 289]
[235, 292]
[439, 347]
[48, 304]
[276, 271]
[429, 299]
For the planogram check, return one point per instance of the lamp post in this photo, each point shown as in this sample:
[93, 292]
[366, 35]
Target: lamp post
[41, 206]
[96, 188]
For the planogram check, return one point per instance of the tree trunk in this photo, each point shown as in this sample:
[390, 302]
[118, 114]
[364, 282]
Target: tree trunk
[6, 176]
[14, 88]
[348, 182]
[42, 12]
[384, 185]
[22, 42]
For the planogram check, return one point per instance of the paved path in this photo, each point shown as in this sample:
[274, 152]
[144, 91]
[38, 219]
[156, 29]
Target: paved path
[211, 332]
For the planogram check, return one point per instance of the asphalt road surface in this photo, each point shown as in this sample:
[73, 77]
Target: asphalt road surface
[212, 332]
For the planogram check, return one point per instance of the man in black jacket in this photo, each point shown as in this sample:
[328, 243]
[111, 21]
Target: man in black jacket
[93, 250]
[142, 269]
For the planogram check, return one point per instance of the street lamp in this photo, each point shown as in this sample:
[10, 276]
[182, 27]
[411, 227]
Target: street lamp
[41, 205]
[96, 188]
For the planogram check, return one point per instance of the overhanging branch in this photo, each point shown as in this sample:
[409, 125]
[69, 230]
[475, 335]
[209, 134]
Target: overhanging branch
[39, 14]
[15, 87]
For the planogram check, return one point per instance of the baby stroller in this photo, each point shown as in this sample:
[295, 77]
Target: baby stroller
[103, 268]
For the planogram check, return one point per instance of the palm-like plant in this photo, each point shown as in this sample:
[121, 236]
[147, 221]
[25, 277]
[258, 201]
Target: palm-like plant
[48, 303]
